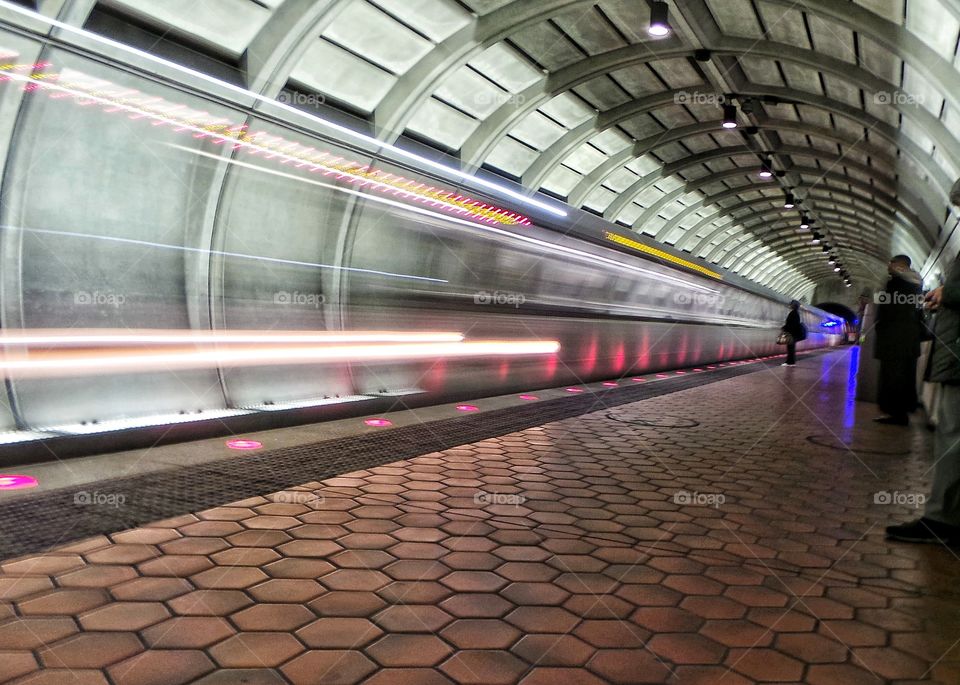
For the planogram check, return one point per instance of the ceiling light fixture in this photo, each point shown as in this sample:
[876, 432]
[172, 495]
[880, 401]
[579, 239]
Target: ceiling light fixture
[659, 19]
[730, 116]
[788, 203]
[766, 171]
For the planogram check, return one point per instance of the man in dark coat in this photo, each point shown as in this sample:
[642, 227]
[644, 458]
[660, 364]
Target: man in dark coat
[898, 341]
[941, 520]
[793, 326]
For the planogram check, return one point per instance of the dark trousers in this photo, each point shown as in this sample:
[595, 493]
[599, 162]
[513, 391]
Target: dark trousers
[897, 394]
[792, 353]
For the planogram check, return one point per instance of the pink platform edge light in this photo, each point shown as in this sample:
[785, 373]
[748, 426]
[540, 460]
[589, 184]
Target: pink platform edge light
[529, 397]
[378, 422]
[574, 390]
[244, 444]
[17, 482]
[467, 407]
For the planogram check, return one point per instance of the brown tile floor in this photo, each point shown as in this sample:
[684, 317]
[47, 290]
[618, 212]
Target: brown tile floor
[626, 546]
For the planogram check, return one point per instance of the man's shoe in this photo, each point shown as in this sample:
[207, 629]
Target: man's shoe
[925, 530]
[893, 420]
[785, 364]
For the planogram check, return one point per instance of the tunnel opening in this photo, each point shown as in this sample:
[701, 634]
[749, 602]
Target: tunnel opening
[841, 310]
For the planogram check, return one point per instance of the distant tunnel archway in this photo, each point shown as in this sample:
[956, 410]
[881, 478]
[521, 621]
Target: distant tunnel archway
[842, 310]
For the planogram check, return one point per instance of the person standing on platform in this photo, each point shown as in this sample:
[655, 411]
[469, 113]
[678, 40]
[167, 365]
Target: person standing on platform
[795, 329]
[897, 346]
[941, 518]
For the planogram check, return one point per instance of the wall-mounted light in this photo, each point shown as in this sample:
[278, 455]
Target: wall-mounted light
[659, 19]
[730, 116]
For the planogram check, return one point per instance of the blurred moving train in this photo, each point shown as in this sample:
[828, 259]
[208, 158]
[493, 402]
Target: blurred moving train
[174, 249]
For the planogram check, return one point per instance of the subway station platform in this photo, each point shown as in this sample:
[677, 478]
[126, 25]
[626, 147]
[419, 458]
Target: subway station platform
[719, 530]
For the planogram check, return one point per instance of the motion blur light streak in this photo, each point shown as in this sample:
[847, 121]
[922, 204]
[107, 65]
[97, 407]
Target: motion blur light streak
[516, 195]
[219, 253]
[585, 256]
[82, 89]
[522, 221]
[52, 337]
[17, 482]
[82, 362]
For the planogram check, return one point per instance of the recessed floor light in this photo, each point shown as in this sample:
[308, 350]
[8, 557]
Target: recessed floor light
[244, 444]
[17, 482]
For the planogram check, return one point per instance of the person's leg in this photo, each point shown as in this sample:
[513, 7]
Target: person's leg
[885, 386]
[792, 353]
[944, 502]
[941, 516]
[902, 390]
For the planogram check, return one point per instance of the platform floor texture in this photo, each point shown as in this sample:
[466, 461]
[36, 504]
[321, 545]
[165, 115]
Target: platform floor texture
[720, 535]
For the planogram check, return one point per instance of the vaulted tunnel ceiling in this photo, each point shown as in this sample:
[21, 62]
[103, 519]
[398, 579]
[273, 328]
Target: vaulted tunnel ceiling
[857, 103]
